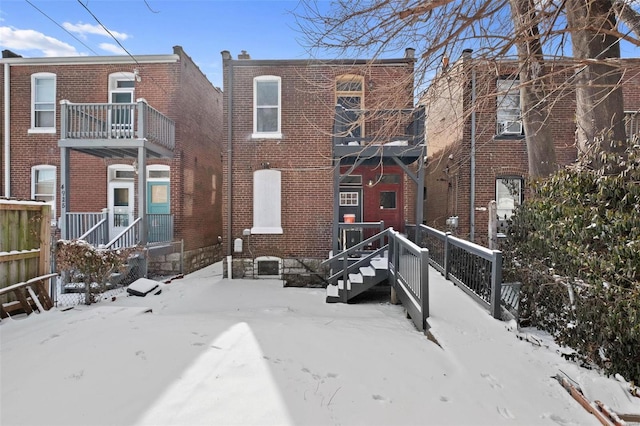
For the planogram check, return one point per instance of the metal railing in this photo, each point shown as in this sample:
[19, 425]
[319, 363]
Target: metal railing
[159, 228]
[79, 224]
[409, 276]
[408, 266]
[354, 233]
[98, 234]
[476, 269]
[116, 121]
[381, 126]
[127, 238]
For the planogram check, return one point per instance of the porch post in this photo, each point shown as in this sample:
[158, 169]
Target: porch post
[336, 205]
[64, 192]
[142, 194]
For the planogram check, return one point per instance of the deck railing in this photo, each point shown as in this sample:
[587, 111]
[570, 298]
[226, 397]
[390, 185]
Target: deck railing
[409, 276]
[99, 234]
[94, 227]
[476, 269]
[379, 127]
[159, 228]
[116, 121]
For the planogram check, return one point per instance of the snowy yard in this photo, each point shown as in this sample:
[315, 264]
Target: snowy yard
[220, 352]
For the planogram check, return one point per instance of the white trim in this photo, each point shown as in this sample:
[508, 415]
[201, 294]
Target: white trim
[34, 78]
[52, 203]
[79, 60]
[277, 134]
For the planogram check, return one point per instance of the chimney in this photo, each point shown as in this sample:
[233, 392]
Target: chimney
[226, 55]
[466, 53]
[410, 53]
[244, 55]
[9, 54]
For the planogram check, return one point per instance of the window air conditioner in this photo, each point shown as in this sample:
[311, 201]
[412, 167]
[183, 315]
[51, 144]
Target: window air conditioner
[510, 128]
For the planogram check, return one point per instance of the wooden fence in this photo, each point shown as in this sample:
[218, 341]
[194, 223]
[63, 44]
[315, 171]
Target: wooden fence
[25, 241]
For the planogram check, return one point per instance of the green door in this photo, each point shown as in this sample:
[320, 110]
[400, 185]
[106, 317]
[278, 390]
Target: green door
[159, 208]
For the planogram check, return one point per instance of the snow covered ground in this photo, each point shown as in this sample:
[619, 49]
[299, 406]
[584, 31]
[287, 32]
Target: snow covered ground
[219, 352]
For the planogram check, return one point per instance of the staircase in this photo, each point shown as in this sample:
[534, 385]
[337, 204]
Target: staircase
[353, 272]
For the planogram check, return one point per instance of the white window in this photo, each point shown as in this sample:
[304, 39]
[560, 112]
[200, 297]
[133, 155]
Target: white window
[267, 107]
[266, 202]
[508, 195]
[508, 117]
[43, 187]
[43, 103]
[349, 199]
[121, 98]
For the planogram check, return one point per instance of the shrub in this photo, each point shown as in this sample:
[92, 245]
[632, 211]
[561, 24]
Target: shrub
[575, 246]
[90, 265]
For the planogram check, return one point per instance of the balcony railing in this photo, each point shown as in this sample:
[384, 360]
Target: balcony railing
[403, 127]
[116, 121]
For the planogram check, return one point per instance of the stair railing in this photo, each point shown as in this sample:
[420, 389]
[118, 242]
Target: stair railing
[97, 235]
[127, 238]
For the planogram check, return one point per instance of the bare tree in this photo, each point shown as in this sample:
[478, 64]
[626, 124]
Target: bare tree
[440, 29]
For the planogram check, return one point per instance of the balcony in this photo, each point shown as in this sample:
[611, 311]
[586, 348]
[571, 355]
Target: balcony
[389, 133]
[116, 130]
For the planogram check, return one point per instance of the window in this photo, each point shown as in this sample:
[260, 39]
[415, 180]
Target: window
[121, 95]
[387, 199]
[508, 195]
[508, 107]
[43, 187]
[632, 124]
[266, 107]
[266, 202]
[349, 199]
[43, 103]
[350, 95]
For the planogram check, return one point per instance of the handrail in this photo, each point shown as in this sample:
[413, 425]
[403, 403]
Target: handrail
[89, 235]
[353, 249]
[130, 234]
[476, 269]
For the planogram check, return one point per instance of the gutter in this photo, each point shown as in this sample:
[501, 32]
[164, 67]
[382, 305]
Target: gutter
[7, 130]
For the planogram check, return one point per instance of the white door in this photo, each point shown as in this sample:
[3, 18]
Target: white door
[120, 204]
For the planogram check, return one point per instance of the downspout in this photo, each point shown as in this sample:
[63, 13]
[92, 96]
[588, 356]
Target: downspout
[226, 57]
[7, 130]
[472, 182]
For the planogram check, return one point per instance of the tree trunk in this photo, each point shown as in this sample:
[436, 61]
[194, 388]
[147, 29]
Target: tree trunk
[534, 105]
[599, 108]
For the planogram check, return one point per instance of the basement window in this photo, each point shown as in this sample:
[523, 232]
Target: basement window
[268, 266]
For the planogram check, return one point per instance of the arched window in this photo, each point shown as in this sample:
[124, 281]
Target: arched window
[350, 96]
[43, 186]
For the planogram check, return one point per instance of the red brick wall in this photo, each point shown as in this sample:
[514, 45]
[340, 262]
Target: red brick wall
[448, 172]
[303, 155]
[178, 90]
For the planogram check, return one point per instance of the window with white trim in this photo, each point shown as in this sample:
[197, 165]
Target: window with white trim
[43, 186]
[267, 107]
[43, 103]
[349, 199]
[508, 195]
[508, 119]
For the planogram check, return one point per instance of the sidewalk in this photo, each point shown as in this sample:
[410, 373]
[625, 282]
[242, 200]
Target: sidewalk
[215, 351]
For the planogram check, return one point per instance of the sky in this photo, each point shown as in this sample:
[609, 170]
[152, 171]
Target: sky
[265, 28]
[214, 351]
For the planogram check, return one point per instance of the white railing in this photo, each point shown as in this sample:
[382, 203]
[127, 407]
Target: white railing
[79, 224]
[128, 238]
[116, 121]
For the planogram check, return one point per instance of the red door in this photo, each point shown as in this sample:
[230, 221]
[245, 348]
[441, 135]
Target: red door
[383, 197]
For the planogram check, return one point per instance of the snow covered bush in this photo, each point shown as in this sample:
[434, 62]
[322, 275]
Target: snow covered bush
[90, 265]
[575, 246]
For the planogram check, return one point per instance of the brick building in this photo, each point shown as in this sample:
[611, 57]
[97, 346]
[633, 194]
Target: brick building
[309, 141]
[493, 153]
[140, 137]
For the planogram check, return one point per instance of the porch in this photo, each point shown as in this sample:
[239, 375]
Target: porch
[117, 131]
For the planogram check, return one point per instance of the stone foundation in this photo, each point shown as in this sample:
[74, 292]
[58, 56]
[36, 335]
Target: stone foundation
[293, 272]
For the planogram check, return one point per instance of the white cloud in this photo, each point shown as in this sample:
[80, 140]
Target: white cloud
[84, 29]
[112, 48]
[31, 40]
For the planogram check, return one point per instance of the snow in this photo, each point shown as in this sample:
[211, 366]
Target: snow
[209, 350]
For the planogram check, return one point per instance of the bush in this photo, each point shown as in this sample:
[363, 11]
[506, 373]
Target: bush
[575, 246]
[90, 265]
